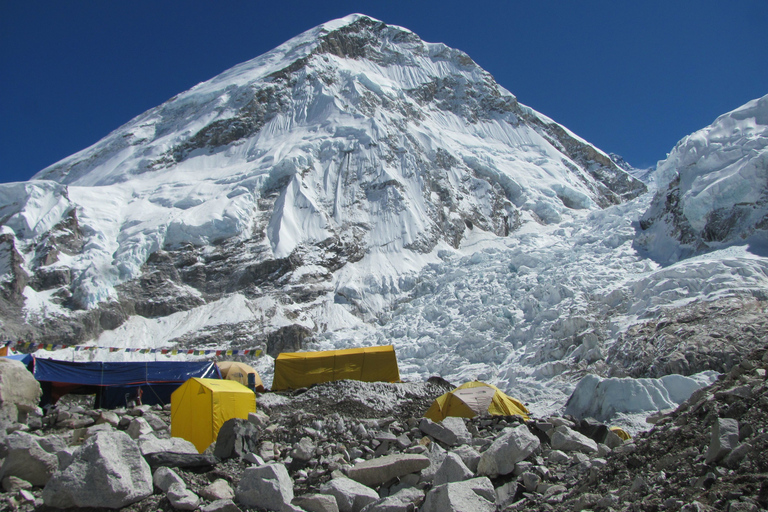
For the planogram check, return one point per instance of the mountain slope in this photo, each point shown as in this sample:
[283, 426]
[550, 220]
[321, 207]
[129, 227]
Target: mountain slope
[355, 142]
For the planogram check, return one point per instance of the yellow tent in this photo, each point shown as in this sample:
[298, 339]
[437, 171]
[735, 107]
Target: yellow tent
[234, 370]
[623, 434]
[4, 350]
[474, 398]
[369, 364]
[199, 408]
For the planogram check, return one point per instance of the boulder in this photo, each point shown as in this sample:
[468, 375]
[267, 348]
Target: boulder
[164, 478]
[469, 456]
[511, 447]
[139, 427]
[725, 437]
[107, 471]
[476, 495]
[436, 454]
[451, 431]
[350, 496]
[198, 461]
[567, 439]
[304, 449]
[236, 438]
[259, 419]
[317, 503]
[452, 469]
[109, 418]
[219, 489]
[221, 506]
[182, 498]
[19, 391]
[26, 459]
[149, 443]
[266, 487]
[405, 500]
[15, 484]
[375, 472]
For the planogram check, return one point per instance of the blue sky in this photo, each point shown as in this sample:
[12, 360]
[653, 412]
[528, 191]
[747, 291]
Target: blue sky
[630, 77]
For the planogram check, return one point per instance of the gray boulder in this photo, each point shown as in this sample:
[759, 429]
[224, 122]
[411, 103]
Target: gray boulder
[567, 439]
[182, 498]
[451, 431]
[221, 506]
[725, 437]
[164, 478]
[452, 469]
[469, 456]
[476, 495]
[267, 487]
[219, 489]
[304, 449]
[350, 496]
[236, 438]
[149, 443]
[19, 391]
[405, 500]
[27, 460]
[317, 503]
[436, 454]
[107, 471]
[511, 447]
[139, 427]
[375, 472]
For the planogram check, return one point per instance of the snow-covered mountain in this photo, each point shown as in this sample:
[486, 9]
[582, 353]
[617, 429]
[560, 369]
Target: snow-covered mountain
[357, 186]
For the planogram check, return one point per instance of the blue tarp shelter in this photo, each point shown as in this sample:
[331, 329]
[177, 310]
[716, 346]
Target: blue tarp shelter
[115, 383]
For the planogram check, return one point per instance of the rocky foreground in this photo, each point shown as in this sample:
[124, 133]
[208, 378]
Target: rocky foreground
[353, 446]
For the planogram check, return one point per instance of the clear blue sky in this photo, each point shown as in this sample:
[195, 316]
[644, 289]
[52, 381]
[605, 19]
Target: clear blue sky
[630, 77]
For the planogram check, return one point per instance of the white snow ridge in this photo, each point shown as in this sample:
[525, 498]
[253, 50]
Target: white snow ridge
[358, 186]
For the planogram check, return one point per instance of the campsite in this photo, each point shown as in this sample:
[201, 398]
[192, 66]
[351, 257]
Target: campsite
[352, 445]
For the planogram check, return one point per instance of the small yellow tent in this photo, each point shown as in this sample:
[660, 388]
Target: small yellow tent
[474, 398]
[199, 408]
[623, 434]
[369, 364]
[234, 370]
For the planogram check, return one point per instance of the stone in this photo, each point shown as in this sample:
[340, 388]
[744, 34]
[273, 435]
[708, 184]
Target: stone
[451, 431]
[253, 459]
[738, 454]
[567, 439]
[236, 438]
[724, 438]
[220, 506]
[198, 461]
[164, 478]
[108, 417]
[15, 484]
[219, 489]
[26, 459]
[375, 472]
[182, 498]
[317, 503]
[350, 496]
[405, 500]
[258, 418]
[138, 427]
[469, 456]
[149, 443]
[530, 481]
[476, 495]
[155, 422]
[511, 447]
[267, 487]
[452, 469]
[436, 454]
[304, 450]
[19, 391]
[107, 471]
[558, 457]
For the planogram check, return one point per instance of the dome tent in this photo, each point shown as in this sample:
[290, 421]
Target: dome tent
[237, 371]
[473, 398]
